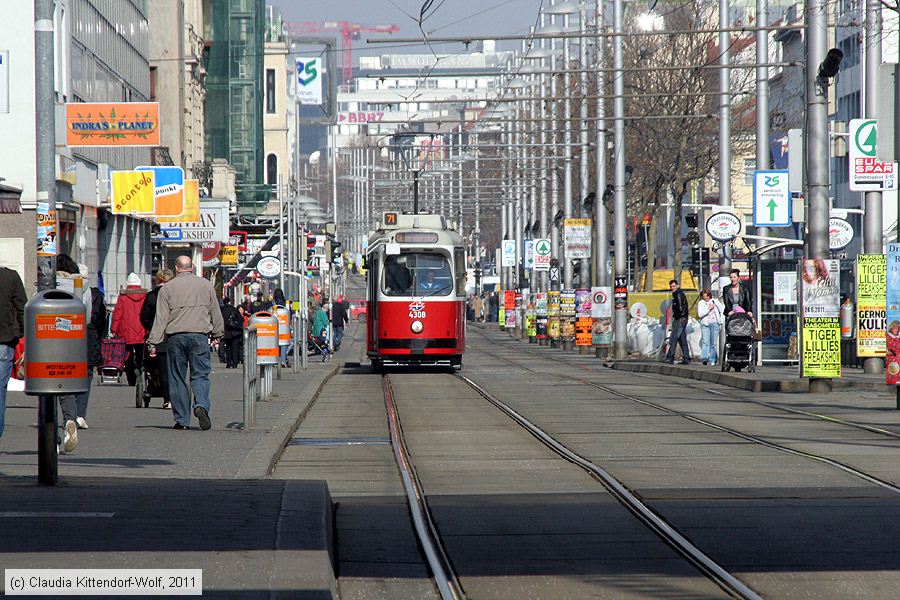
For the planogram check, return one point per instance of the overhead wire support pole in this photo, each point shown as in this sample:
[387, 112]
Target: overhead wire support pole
[873, 235]
[762, 93]
[724, 126]
[602, 251]
[568, 274]
[620, 344]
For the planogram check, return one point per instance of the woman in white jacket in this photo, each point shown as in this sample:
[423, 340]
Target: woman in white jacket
[712, 314]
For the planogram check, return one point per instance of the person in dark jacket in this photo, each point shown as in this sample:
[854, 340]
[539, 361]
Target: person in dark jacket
[259, 304]
[680, 313]
[126, 324]
[12, 328]
[148, 316]
[234, 330]
[737, 295]
[339, 318]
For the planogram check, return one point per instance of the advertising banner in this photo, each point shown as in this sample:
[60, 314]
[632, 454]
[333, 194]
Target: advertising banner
[583, 302]
[228, 256]
[540, 311]
[785, 287]
[553, 314]
[620, 293]
[112, 124]
[46, 230]
[871, 295]
[583, 331]
[168, 190]
[132, 192]
[577, 237]
[542, 255]
[509, 303]
[567, 314]
[530, 322]
[309, 81]
[191, 212]
[821, 330]
[601, 315]
[892, 342]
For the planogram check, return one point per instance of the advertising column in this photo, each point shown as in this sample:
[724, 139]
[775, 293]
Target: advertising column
[871, 291]
[821, 330]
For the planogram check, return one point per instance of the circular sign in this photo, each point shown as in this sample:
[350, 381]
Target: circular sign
[638, 310]
[600, 297]
[269, 267]
[840, 233]
[723, 226]
[211, 253]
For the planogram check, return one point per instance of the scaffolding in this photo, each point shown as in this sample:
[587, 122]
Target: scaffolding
[234, 120]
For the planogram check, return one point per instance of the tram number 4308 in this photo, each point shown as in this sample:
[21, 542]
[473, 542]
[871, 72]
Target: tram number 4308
[417, 314]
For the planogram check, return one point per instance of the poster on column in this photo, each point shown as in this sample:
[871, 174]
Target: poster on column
[509, 302]
[540, 311]
[821, 331]
[553, 314]
[567, 314]
[583, 303]
[871, 291]
[601, 315]
[892, 342]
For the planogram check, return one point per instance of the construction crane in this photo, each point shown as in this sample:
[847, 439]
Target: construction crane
[349, 32]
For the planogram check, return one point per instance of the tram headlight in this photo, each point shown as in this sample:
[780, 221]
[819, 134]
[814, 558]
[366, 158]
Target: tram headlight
[417, 327]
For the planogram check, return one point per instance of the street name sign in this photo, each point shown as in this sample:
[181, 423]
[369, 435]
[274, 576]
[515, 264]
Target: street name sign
[771, 199]
[867, 173]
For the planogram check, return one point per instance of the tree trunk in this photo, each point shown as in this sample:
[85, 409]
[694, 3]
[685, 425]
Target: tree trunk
[676, 233]
[651, 250]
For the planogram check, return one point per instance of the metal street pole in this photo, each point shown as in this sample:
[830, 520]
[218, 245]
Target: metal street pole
[567, 144]
[724, 127]
[334, 155]
[620, 345]
[762, 95]
[817, 144]
[543, 276]
[282, 246]
[602, 252]
[584, 270]
[873, 242]
[45, 157]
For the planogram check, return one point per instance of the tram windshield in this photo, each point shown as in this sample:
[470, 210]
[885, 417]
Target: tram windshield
[417, 274]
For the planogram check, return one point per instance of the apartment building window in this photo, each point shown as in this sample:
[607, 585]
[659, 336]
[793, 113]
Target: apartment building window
[272, 169]
[270, 90]
[749, 167]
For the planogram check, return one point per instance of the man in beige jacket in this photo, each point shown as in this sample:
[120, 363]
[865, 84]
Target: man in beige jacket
[187, 315]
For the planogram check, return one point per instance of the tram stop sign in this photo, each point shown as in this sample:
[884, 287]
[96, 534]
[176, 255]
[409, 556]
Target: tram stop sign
[542, 255]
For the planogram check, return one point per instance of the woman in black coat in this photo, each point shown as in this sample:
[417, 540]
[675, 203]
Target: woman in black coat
[737, 294]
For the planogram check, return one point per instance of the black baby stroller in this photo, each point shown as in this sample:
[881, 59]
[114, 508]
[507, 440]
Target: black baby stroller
[315, 347]
[740, 347]
[149, 384]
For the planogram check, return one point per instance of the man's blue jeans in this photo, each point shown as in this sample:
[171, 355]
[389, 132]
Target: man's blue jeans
[679, 336]
[338, 336]
[7, 353]
[183, 349]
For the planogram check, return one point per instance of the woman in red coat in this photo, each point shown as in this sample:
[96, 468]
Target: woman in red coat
[126, 324]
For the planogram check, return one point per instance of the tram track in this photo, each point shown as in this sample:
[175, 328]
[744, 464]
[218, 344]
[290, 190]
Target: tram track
[849, 469]
[440, 564]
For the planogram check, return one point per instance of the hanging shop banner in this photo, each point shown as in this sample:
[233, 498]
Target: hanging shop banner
[567, 314]
[577, 236]
[601, 315]
[508, 256]
[553, 314]
[892, 343]
[540, 312]
[46, 230]
[509, 303]
[191, 212]
[168, 191]
[620, 293]
[228, 256]
[211, 224]
[785, 287]
[112, 124]
[871, 291]
[132, 192]
[821, 306]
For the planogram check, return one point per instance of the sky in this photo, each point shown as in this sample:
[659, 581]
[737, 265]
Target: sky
[449, 17]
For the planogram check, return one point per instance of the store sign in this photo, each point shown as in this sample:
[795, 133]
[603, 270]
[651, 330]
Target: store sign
[577, 236]
[821, 331]
[132, 192]
[168, 190]
[840, 233]
[871, 293]
[723, 226]
[360, 117]
[309, 81]
[269, 267]
[210, 253]
[112, 124]
[542, 255]
[229, 256]
[191, 212]
[867, 173]
[211, 226]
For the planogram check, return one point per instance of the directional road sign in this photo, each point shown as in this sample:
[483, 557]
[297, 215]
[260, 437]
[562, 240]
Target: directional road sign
[509, 253]
[867, 173]
[542, 255]
[771, 199]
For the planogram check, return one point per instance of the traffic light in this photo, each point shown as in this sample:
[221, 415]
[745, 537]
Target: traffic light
[692, 220]
[335, 250]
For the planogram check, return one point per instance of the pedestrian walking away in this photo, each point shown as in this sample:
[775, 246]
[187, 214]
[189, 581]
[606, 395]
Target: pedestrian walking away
[711, 313]
[159, 363]
[74, 406]
[680, 313]
[339, 318]
[12, 328]
[126, 324]
[187, 316]
[234, 329]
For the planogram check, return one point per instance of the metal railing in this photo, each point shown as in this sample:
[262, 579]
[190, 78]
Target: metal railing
[251, 377]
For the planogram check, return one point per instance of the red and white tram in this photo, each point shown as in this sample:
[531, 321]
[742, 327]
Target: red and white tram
[416, 288]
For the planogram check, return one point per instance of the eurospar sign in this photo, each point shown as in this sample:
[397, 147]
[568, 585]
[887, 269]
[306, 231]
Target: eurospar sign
[867, 173]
